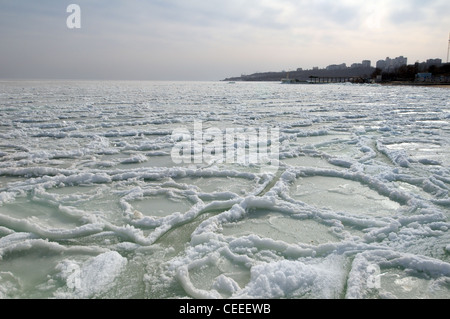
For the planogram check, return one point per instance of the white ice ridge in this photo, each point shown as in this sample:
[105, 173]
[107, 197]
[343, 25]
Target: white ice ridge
[18, 242]
[323, 279]
[39, 175]
[97, 224]
[363, 263]
[297, 275]
[90, 278]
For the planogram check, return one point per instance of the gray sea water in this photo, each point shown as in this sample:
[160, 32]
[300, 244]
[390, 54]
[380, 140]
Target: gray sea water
[95, 202]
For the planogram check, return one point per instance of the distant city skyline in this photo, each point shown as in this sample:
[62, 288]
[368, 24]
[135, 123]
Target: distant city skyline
[387, 64]
[211, 40]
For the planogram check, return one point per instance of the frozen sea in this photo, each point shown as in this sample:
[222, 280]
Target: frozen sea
[93, 204]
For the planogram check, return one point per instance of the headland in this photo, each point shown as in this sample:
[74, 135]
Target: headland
[388, 72]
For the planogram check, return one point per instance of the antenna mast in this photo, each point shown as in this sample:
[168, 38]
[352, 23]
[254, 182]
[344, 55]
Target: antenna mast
[448, 50]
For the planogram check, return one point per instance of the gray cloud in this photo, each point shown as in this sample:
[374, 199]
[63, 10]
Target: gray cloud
[426, 13]
[178, 39]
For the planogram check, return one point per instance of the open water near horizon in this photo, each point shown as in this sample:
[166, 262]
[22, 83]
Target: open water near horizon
[93, 204]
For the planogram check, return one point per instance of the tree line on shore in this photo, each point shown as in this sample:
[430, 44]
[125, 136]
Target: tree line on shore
[408, 72]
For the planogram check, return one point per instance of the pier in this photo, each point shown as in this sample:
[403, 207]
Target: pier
[334, 79]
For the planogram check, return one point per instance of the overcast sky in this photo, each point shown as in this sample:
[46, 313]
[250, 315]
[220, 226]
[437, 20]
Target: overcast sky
[211, 39]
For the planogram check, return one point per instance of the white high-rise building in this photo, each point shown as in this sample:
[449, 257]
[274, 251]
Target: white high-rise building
[436, 62]
[335, 67]
[391, 65]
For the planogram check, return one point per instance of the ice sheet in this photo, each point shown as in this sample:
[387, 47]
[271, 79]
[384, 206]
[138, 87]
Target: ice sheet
[89, 194]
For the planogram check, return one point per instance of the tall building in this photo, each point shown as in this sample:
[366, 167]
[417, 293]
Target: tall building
[390, 65]
[436, 62]
[335, 67]
[366, 63]
[424, 66]
[381, 64]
